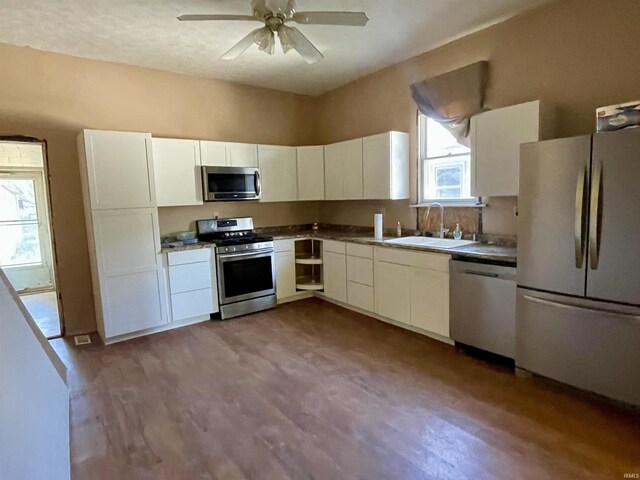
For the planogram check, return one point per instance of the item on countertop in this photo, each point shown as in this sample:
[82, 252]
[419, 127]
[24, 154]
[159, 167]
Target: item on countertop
[186, 235]
[377, 226]
[399, 230]
[457, 233]
[618, 117]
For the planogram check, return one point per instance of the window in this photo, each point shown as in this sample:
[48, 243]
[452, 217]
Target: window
[19, 224]
[445, 165]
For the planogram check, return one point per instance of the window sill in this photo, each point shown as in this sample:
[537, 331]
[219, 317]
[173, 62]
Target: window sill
[450, 204]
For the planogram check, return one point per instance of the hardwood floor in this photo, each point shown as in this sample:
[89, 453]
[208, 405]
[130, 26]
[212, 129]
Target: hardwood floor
[310, 390]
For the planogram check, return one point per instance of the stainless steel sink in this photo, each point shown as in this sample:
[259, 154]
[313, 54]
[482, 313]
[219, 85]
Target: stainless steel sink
[430, 242]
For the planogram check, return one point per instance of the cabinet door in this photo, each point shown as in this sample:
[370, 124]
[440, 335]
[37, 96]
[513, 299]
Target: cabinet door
[430, 300]
[278, 170]
[192, 304]
[352, 170]
[392, 291]
[333, 171]
[130, 275]
[177, 172]
[376, 169]
[310, 173]
[242, 154]
[214, 154]
[496, 139]
[285, 274]
[119, 169]
[335, 276]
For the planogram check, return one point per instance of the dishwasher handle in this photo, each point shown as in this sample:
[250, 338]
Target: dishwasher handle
[481, 274]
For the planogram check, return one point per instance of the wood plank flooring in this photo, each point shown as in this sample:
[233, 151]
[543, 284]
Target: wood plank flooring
[312, 391]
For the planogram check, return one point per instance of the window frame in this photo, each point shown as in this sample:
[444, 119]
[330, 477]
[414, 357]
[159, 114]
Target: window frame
[423, 161]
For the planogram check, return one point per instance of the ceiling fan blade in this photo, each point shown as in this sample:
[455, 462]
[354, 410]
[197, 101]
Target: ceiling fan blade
[351, 19]
[200, 18]
[242, 46]
[291, 37]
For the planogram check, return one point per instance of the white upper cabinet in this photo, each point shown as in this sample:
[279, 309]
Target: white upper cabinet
[178, 177]
[227, 154]
[496, 137]
[278, 171]
[311, 173]
[119, 169]
[385, 166]
[333, 172]
[214, 154]
[242, 154]
[343, 170]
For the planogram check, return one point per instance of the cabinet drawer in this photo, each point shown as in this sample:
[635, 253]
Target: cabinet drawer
[191, 304]
[360, 270]
[356, 250]
[333, 246]
[189, 256]
[188, 277]
[433, 261]
[283, 245]
[360, 296]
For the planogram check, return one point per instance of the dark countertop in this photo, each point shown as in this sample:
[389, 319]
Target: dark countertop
[480, 251]
[505, 254]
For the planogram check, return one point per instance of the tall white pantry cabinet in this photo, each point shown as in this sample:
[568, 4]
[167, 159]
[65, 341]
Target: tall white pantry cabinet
[121, 217]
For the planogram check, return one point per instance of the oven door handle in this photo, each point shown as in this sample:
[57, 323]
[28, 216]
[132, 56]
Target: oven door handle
[255, 253]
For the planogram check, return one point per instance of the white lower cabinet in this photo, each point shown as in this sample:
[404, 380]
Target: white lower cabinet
[285, 268]
[192, 283]
[360, 276]
[413, 288]
[430, 300]
[393, 291]
[335, 270]
[360, 296]
[129, 285]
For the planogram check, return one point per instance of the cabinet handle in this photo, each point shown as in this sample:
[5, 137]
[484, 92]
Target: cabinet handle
[570, 306]
[594, 220]
[579, 220]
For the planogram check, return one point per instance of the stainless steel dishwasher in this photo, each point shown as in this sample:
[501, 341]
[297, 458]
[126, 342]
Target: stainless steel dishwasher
[483, 306]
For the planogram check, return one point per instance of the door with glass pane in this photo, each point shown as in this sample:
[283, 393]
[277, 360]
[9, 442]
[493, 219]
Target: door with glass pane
[25, 246]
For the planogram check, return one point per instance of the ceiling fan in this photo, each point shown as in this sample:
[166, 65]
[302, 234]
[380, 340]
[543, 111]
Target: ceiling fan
[275, 14]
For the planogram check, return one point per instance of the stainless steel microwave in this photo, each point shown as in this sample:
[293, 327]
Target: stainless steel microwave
[230, 184]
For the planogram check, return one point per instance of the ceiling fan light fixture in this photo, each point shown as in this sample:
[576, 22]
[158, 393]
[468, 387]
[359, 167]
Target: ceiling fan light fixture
[274, 14]
[264, 38]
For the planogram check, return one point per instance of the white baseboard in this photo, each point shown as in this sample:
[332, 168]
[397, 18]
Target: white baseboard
[421, 331]
[161, 328]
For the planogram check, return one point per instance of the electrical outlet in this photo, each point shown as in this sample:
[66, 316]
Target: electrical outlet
[216, 214]
[515, 210]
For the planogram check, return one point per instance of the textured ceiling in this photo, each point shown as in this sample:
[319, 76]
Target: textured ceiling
[146, 33]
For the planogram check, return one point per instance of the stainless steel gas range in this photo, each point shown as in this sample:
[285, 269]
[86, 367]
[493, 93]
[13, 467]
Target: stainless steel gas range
[246, 265]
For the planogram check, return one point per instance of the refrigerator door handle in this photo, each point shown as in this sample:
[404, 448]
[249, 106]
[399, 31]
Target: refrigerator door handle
[579, 219]
[594, 216]
[571, 306]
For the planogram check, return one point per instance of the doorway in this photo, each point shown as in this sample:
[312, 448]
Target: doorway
[26, 242]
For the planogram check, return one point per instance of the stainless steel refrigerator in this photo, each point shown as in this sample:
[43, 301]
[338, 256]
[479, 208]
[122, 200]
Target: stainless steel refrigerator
[578, 303]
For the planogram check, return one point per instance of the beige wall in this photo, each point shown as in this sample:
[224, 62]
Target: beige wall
[576, 54]
[175, 219]
[54, 96]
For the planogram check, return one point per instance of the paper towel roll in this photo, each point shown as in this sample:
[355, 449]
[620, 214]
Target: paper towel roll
[377, 225]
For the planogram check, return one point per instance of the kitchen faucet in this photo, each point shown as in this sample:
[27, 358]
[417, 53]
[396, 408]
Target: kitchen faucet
[441, 230]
